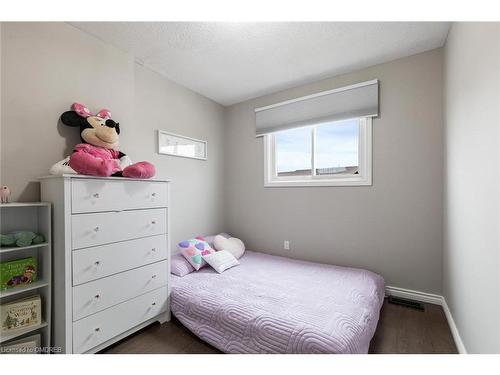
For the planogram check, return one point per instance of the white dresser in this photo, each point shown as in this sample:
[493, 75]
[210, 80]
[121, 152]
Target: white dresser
[111, 259]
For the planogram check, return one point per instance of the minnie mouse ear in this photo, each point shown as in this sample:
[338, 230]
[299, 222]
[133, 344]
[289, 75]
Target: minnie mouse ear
[71, 118]
[81, 110]
[104, 114]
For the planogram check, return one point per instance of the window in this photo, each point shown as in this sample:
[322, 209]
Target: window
[328, 154]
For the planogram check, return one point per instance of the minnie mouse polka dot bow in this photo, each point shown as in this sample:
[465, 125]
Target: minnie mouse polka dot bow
[84, 112]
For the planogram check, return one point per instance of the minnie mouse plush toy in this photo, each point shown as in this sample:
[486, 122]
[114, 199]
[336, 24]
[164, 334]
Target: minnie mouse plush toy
[98, 154]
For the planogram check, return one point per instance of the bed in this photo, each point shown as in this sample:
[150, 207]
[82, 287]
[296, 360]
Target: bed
[271, 304]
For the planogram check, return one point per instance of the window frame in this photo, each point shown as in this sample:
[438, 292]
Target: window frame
[364, 178]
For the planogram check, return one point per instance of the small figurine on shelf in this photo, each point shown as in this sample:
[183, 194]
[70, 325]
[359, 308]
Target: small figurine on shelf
[4, 194]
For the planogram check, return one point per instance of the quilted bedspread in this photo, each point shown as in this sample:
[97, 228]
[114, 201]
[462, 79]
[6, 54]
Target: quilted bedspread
[271, 304]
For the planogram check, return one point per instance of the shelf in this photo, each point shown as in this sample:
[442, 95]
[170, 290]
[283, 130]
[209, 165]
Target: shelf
[21, 289]
[8, 249]
[34, 217]
[6, 336]
[24, 204]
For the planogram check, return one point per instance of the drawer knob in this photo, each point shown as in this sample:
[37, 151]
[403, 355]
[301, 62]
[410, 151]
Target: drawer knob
[97, 329]
[153, 277]
[97, 296]
[96, 229]
[153, 304]
[153, 194]
[97, 262]
[96, 195]
[153, 249]
[153, 222]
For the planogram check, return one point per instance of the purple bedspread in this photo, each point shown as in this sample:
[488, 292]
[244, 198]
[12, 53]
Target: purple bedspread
[272, 304]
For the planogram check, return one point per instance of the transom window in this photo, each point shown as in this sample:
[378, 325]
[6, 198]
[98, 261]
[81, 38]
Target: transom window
[336, 153]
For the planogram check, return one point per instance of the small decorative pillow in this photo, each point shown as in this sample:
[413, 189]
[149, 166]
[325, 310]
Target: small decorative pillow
[210, 238]
[221, 260]
[180, 266]
[234, 245]
[193, 250]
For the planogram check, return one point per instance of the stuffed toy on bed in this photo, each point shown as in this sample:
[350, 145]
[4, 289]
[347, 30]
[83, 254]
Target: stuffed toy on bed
[98, 154]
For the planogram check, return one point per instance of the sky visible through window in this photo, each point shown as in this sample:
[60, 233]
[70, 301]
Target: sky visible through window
[336, 146]
[293, 150]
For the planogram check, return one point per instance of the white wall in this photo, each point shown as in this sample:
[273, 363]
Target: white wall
[47, 66]
[393, 227]
[472, 190]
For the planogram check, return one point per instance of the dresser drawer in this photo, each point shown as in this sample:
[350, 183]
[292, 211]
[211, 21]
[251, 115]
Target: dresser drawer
[100, 294]
[100, 261]
[110, 195]
[100, 228]
[98, 328]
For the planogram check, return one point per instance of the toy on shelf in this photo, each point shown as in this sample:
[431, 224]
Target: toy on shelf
[21, 239]
[4, 194]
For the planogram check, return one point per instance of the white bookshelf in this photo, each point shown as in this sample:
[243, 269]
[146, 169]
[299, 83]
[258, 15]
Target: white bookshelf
[4, 250]
[35, 217]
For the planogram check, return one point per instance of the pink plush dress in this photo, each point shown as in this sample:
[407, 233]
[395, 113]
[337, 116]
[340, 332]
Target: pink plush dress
[92, 160]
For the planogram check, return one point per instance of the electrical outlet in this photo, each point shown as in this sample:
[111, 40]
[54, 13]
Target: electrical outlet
[286, 245]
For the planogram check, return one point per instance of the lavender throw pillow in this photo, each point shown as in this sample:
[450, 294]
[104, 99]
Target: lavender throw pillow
[180, 266]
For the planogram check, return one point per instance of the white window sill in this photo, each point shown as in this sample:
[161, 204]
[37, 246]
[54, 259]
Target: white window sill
[356, 181]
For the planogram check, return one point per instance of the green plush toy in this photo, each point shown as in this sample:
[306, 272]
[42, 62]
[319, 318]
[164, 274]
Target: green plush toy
[21, 239]
[7, 240]
[24, 238]
[38, 239]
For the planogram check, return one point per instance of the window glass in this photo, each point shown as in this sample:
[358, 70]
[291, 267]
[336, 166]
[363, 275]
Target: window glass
[336, 149]
[293, 152]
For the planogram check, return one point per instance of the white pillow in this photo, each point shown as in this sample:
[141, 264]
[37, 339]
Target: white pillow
[234, 245]
[221, 260]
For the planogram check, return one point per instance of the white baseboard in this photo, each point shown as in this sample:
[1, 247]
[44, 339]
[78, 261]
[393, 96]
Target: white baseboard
[454, 330]
[414, 295]
[434, 299]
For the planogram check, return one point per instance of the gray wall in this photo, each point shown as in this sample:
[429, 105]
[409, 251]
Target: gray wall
[393, 227]
[47, 66]
[472, 166]
[197, 186]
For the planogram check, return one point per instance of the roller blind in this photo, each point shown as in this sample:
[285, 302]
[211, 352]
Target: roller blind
[359, 100]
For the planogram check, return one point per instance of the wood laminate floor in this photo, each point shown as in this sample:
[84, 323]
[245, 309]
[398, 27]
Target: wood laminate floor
[400, 330]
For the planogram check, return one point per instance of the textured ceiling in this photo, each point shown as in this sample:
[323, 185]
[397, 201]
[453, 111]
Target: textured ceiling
[233, 62]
